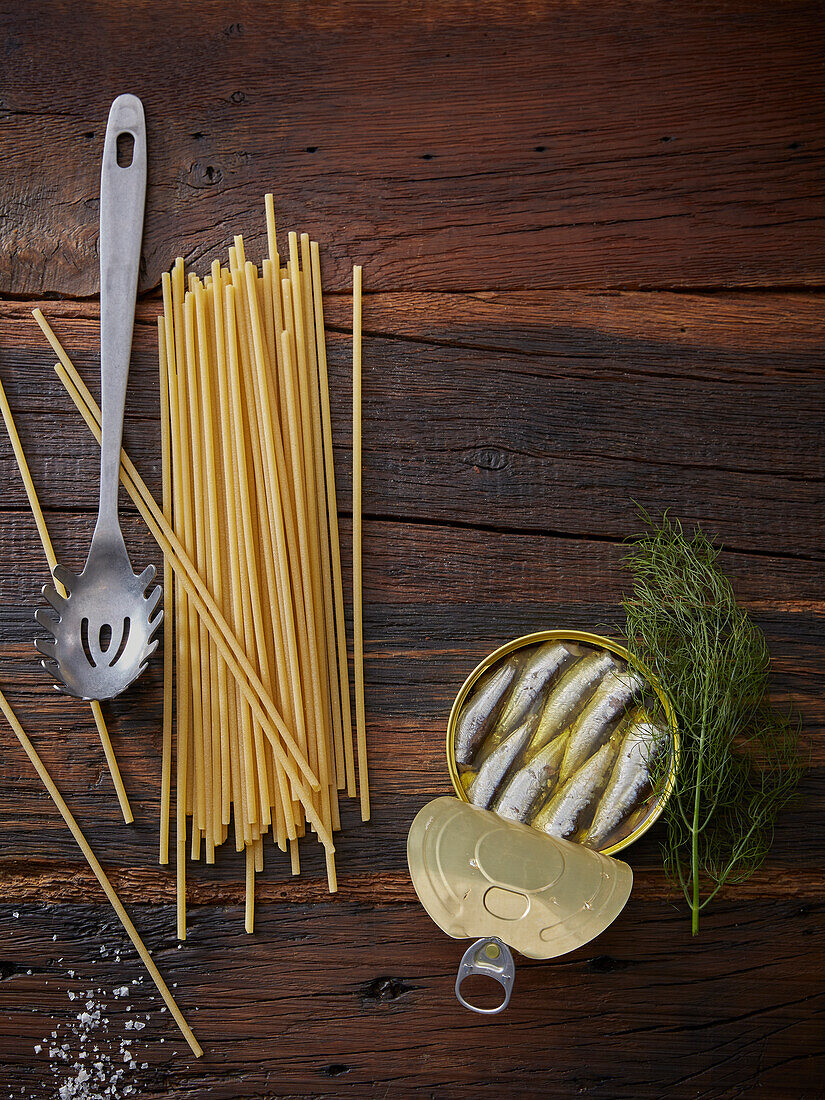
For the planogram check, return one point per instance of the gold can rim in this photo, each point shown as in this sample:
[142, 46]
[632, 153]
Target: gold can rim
[588, 638]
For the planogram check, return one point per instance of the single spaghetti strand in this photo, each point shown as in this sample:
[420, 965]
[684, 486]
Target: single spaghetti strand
[271, 236]
[249, 909]
[332, 515]
[51, 559]
[183, 614]
[168, 640]
[99, 874]
[357, 584]
[203, 747]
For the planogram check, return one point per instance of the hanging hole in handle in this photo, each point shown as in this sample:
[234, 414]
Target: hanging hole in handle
[125, 149]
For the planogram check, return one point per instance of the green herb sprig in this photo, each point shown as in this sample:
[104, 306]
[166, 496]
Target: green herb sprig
[739, 762]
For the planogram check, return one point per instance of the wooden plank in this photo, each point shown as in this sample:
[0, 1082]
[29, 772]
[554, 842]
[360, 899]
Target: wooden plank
[720, 423]
[341, 999]
[486, 144]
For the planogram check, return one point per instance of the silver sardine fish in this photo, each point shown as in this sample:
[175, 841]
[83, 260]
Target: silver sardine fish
[531, 782]
[560, 816]
[491, 773]
[539, 669]
[572, 690]
[591, 728]
[630, 774]
[478, 715]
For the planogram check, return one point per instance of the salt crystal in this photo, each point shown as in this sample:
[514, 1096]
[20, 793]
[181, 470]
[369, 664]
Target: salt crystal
[71, 995]
[38, 1048]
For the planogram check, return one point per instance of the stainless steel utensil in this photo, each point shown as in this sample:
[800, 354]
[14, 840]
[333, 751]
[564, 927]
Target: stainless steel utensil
[103, 627]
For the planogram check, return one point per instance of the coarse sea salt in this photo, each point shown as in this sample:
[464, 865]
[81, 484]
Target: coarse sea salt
[89, 1070]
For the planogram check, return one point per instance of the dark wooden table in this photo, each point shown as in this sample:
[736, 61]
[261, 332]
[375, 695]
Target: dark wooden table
[593, 242]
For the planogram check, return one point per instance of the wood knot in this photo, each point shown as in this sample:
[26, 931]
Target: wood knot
[486, 458]
[385, 989]
[204, 175]
[335, 1069]
[606, 964]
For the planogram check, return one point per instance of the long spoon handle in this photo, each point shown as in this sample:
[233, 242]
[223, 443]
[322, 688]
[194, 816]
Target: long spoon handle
[122, 201]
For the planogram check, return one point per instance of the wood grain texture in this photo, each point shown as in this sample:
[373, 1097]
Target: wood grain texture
[473, 145]
[554, 203]
[352, 997]
[716, 412]
[359, 1002]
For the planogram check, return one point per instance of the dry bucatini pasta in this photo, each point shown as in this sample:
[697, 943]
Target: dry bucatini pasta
[253, 505]
[249, 529]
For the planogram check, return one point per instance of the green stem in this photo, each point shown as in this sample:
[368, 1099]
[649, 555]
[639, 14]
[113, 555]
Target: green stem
[694, 845]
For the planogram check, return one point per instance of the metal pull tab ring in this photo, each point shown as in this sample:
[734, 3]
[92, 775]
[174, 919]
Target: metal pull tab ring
[490, 958]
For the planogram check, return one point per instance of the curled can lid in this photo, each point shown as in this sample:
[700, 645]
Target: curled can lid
[478, 875]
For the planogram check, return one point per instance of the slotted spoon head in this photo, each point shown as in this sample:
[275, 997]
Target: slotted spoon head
[103, 630]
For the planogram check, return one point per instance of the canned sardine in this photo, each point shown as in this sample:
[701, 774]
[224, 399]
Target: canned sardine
[563, 731]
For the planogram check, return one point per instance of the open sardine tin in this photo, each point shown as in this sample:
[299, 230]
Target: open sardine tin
[507, 884]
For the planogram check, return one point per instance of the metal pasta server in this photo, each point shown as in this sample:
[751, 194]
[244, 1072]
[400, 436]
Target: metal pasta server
[105, 618]
[507, 885]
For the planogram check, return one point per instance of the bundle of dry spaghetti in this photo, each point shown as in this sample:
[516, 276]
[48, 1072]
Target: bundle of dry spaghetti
[263, 730]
